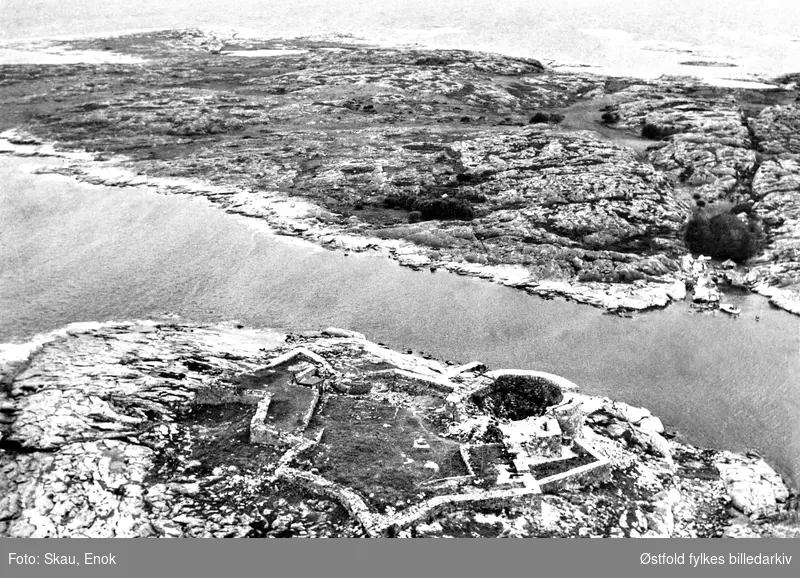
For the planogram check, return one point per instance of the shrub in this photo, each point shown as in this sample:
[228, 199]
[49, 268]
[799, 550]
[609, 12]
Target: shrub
[656, 132]
[745, 207]
[446, 208]
[519, 396]
[396, 201]
[723, 236]
[435, 208]
[610, 117]
[415, 217]
[546, 117]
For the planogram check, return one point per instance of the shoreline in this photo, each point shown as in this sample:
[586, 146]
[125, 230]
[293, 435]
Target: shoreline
[677, 480]
[693, 70]
[315, 219]
[587, 245]
[291, 217]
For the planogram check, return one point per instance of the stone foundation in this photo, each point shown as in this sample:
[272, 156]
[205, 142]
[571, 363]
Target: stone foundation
[545, 438]
[260, 432]
[597, 471]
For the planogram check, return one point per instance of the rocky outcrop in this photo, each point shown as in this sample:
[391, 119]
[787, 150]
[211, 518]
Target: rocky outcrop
[730, 152]
[776, 189]
[753, 486]
[348, 145]
[144, 429]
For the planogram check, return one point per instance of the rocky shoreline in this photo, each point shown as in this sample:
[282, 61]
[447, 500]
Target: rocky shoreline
[567, 185]
[478, 164]
[148, 429]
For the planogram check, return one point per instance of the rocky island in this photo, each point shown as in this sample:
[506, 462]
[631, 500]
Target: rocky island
[566, 184]
[148, 429]
[480, 164]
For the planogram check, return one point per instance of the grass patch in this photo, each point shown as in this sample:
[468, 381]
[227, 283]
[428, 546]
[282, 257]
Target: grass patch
[368, 446]
[221, 437]
[484, 460]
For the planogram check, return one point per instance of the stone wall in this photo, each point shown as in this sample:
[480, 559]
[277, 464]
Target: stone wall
[570, 416]
[438, 384]
[352, 502]
[306, 419]
[599, 470]
[260, 432]
[377, 525]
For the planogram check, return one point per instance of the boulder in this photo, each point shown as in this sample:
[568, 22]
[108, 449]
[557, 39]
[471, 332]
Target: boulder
[677, 291]
[652, 424]
[705, 294]
[346, 333]
[654, 443]
[661, 521]
[753, 486]
[625, 412]
[615, 430]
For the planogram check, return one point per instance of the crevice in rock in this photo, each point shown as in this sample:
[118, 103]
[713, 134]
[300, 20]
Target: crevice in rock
[15, 447]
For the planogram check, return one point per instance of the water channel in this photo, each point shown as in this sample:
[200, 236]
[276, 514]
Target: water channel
[74, 252]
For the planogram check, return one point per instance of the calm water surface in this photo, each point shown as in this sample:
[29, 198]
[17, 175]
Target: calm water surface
[629, 36]
[72, 252]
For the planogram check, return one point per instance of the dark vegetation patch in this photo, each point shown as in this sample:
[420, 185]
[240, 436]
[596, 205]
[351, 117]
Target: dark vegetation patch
[221, 436]
[215, 435]
[517, 397]
[484, 460]
[654, 131]
[432, 208]
[696, 464]
[290, 400]
[724, 236]
[426, 147]
[402, 384]
[610, 117]
[542, 117]
[288, 405]
[613, 85]
[367, 444]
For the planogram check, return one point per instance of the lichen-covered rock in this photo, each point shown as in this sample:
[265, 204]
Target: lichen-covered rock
[181, 465]
[754, 487]
[569, 208]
